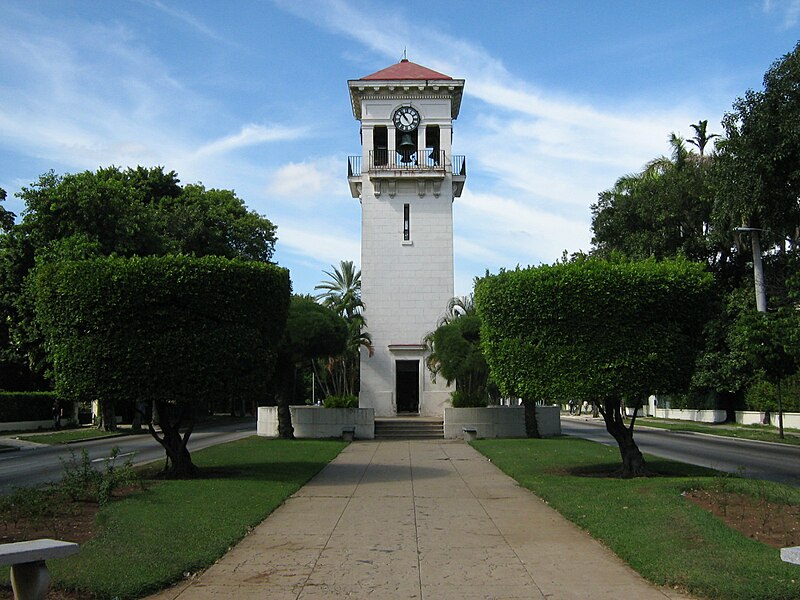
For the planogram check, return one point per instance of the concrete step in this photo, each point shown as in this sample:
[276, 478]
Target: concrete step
[409, 428]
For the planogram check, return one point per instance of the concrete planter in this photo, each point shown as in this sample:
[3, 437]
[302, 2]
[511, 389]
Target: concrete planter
[318, 422]
[499, 421]
[690, 414]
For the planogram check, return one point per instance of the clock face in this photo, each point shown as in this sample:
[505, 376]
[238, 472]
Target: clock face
[406, 118]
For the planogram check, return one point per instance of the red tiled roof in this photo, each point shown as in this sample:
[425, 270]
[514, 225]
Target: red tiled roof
[405, 70]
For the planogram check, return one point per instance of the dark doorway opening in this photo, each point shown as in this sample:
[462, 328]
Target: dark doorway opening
[407, 386]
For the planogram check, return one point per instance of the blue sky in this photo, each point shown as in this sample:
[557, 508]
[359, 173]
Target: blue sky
[561, 98]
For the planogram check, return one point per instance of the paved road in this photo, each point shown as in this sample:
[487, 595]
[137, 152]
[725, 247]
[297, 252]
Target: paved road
[31, 466]
[775, 462]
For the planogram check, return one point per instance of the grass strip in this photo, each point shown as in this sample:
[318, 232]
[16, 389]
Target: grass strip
[71, 435]
[761, 433]
[151, 538]
[647, 522]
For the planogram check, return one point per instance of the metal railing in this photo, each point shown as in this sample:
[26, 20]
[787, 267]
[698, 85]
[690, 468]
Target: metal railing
[354, 166]
[429, 160]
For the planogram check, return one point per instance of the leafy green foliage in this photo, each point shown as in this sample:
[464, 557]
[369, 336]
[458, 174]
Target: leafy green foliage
[172, 330]
[596, 331]
[457, 356]
[28, 406]
[341, 402]
[82, 482]
[593, 329]
[314, 331]
[339, 374]
[757, 175]
[137, 211]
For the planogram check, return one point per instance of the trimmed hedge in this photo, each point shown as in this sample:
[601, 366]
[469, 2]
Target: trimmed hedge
[592, 330]
[176, 329]
[28, 406]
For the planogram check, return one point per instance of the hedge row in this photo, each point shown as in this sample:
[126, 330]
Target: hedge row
[27, 406]
[177, 329]
[592, 329]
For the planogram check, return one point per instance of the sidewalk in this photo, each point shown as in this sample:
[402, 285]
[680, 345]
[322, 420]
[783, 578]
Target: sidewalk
[416, 519]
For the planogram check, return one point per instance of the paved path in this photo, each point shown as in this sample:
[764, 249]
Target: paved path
[431, 520]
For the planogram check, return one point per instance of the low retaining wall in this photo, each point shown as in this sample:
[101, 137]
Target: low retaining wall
[318, 422]
[28, 425]
[499, 421]
[690, 414]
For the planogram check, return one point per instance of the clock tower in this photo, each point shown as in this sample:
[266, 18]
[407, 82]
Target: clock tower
[406, 178]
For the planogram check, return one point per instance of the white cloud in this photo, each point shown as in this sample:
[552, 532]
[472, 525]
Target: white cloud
[313, 179]
[318, 240]
[250, 135]
[789, 9]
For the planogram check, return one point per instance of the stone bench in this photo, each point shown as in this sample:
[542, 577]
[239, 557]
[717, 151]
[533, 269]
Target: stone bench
[29, 576]
[470, 433]
[348, 433]
[791, 555]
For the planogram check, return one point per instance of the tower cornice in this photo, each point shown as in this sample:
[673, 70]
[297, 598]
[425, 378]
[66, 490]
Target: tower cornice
[361, 89]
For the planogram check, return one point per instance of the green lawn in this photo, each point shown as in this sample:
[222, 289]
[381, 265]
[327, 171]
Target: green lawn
[150, 539]
[647, 522]
[71, 435]
[764, 433]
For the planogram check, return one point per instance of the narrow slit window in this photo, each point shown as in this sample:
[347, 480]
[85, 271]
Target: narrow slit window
[406, 222]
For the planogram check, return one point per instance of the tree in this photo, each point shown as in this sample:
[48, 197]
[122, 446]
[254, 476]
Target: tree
[456, 354]
[342, 293]
[312, 332]
[597, 331]
[769, 341]
[174, 332]
[131, 212]
[663, 211]
[757, 174]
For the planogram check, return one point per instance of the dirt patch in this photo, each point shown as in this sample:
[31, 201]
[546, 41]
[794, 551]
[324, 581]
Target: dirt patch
[770, 523]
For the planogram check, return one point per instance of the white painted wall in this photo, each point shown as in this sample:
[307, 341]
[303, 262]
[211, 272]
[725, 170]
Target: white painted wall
[405, 285]
[319, 422]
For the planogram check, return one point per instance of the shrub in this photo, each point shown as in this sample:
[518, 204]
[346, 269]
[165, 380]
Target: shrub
[82, 481]
[463, 399]
[761, 396]
[344, 401]
[29, 406]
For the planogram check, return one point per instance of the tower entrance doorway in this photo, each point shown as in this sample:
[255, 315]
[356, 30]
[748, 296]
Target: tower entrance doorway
[407, 386]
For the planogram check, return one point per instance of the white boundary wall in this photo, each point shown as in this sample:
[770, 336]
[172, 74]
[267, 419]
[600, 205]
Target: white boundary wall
[27, 425]
[318, 422]
[690, 414]
[791, 420]
[499, 421]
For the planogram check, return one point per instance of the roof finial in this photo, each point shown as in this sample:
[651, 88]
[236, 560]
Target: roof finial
[405, 58]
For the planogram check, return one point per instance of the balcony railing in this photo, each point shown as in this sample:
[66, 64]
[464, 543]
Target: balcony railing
[429, 160]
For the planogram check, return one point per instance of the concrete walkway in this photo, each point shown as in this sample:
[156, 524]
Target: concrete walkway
[431, 520]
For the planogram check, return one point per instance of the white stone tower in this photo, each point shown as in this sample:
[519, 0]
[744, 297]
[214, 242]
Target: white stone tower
[406, 178]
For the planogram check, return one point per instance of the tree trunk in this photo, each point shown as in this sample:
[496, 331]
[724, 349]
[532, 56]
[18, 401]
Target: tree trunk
[108, 417]
[531, 425]
[632, 460]
[179, 461]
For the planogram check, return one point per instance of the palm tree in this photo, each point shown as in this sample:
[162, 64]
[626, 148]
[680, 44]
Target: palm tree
[701, 138]
[343, 290]
[342, 293]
